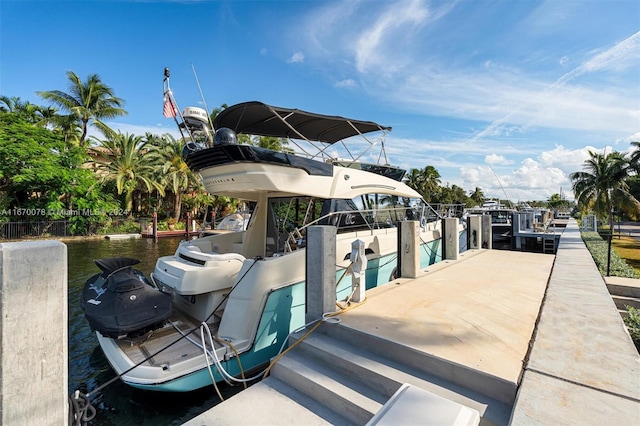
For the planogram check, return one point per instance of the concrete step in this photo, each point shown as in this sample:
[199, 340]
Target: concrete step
[501, 390]
[376, 378]
[623, 301]
[270, 402]
[354, 400]
[623, 290]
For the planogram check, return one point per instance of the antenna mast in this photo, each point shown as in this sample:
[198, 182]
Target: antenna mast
[204, 102]
[501, 187]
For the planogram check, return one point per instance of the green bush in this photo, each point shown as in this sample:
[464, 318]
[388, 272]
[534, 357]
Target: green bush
[633, 325]
[126, 227]
[599, 250]
[164, 225]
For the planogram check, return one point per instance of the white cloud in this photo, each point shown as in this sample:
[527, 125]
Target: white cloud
[533, 179]
[530, 181]
[632, 138]
[373, 45]
[493, 159]
[567, 160]
[539, 119]
[397, 60]
[296, 58]
[559, 105]
[621, 55]
[511, 101]
[349, 82]
[373, 37]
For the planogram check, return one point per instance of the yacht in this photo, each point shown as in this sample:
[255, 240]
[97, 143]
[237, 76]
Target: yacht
[237, 295]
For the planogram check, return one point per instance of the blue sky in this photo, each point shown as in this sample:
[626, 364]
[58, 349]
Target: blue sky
[507, 96]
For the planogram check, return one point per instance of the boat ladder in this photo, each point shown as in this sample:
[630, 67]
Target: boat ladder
[549, 244]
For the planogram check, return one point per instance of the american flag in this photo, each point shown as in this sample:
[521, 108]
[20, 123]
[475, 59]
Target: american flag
[169, 109]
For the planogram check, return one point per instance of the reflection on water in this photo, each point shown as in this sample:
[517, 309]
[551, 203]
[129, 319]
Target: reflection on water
[119, 404]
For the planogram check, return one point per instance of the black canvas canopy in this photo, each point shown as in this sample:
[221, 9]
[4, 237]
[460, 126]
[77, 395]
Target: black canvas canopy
[257, 118]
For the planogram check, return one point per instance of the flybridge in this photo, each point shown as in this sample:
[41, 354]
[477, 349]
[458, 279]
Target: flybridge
[316, 136]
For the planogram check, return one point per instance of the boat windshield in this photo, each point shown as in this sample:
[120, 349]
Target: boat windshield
[290, 216]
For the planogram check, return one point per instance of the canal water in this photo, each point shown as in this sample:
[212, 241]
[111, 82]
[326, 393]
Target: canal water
[117, 403]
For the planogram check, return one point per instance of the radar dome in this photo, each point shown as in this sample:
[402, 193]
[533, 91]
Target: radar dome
[225, 136]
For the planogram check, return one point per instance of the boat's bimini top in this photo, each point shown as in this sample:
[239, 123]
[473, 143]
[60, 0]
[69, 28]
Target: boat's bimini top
[257, 118]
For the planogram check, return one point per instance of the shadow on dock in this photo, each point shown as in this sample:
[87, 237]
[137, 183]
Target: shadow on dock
[523, 338]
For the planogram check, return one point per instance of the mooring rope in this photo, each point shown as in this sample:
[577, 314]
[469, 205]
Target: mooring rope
[79, 403]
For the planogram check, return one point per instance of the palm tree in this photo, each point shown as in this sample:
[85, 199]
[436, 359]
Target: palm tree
[634, 157]
[426, 181]
[32, 113]
[415, 180]
[216, 111]
[69, 127]
[477, 196]
[602, 185]
[87, 101]
[177, 176]
[273, 143]
[124, 164]
[451, 195]
[12, 104]
[431, 182]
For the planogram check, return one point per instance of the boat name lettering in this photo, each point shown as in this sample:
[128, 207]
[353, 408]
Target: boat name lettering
[350, 219]
[222, 180]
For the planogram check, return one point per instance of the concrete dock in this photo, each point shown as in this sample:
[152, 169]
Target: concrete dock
[523, 338]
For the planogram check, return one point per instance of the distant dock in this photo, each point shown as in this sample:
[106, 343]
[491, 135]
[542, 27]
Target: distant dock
[176, 233]
[123, 236]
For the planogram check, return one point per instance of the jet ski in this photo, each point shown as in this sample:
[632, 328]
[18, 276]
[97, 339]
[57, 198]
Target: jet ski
[120, 302]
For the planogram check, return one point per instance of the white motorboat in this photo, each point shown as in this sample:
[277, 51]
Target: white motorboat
[238, 295]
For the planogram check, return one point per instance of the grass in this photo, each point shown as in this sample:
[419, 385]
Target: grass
[628, 248]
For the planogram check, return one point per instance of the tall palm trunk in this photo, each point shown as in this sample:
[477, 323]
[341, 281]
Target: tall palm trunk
[177, 203]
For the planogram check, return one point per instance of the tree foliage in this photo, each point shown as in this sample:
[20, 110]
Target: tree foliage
[602, 185]
[634, 157]
[89, 101]
[122, 160]
[425, 181]
[45, 164]
[174, 174]
[43, 177]
[477, 196]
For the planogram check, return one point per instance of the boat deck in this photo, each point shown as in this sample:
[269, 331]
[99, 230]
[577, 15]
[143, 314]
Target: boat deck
[177, 347]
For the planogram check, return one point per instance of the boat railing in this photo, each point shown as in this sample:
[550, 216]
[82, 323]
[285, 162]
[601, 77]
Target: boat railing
[449, 209]
[363, 220]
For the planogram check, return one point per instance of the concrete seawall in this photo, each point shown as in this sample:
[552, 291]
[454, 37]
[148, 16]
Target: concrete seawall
[583, 367]
[33, 325]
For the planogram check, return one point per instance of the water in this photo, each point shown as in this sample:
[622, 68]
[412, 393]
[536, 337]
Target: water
[119, 404]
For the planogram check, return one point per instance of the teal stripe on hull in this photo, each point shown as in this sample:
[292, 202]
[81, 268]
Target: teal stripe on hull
[285, 312]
